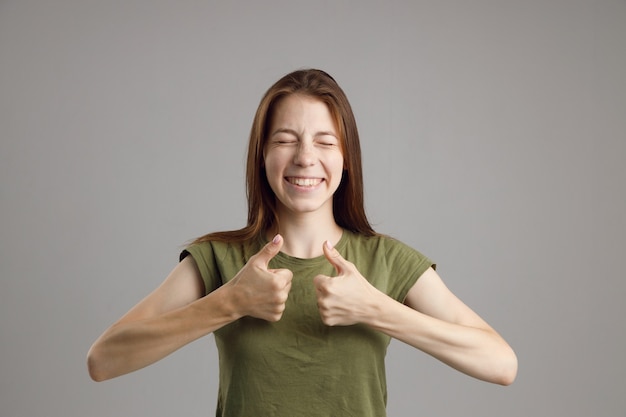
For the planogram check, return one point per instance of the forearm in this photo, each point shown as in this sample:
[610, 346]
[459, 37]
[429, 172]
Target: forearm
[478, 352]
[129, 346]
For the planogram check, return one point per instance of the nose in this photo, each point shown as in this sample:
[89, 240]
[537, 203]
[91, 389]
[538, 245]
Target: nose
[305, 154]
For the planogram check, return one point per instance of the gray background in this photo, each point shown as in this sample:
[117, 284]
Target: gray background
[493, 135]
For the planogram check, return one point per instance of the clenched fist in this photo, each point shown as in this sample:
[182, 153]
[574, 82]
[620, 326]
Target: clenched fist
[262, 292]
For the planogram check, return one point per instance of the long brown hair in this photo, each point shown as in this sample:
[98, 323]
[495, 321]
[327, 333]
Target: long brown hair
[348, 206]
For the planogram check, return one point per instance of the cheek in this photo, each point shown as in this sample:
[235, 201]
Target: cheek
[277, 159]
[272, 168]
[339, 165]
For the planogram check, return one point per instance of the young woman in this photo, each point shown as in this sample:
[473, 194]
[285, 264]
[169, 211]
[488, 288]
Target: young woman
[304, 300]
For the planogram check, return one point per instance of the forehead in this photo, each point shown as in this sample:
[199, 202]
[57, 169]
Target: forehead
[296, 110]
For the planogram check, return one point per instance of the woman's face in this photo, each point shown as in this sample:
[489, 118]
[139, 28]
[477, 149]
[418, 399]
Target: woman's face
[302, 156]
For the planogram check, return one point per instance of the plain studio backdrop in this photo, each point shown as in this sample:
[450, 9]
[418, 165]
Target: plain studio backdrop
[494, 139]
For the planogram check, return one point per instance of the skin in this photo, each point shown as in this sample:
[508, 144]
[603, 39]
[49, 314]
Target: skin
[431, 319]
[303, 145]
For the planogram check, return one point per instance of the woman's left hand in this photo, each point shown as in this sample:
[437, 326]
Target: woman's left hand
[347, 298]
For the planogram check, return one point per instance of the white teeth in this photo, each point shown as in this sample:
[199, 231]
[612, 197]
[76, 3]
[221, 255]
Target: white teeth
[304, 182]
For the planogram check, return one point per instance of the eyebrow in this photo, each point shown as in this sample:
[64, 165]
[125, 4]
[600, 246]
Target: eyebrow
[293, 132]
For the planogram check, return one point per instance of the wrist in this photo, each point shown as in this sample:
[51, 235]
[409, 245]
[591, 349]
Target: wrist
[375, 307]
[230, 303]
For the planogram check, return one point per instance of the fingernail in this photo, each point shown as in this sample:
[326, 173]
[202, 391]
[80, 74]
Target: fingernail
[329, 245]
[276, 239]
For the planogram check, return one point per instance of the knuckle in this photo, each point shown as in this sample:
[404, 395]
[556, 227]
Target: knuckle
[327, 320]
[278, 307]
[273, 314]
[275, 285]
[321, 283]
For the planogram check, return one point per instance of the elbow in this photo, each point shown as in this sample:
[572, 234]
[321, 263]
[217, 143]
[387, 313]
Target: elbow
[507, 378]
[95, 365]
[508, 370]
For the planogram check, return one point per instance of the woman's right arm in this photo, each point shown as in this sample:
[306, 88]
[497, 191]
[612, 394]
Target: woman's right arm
[170, 317]
[177, 313]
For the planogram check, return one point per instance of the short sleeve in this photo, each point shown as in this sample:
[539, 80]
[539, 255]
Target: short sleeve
[204, 257]
[405, 265]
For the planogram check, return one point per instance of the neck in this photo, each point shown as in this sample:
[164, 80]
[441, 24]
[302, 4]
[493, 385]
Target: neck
[304, 234]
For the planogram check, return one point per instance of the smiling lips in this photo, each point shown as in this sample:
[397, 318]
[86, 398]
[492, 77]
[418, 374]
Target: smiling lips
[304, 182]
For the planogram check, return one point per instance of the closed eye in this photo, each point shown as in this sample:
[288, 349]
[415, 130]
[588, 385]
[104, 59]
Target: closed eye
[327, 140]
[283, 137]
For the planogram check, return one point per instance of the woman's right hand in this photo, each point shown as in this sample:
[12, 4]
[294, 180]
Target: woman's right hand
[259, 291]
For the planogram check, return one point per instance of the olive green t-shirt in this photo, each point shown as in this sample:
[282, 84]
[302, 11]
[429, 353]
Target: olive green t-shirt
[298, 366]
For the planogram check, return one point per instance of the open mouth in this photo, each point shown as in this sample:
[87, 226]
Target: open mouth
[304, 182]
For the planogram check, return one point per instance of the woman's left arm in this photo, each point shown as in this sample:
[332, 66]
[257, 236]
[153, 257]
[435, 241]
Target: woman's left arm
[435, 321]
[431, 319]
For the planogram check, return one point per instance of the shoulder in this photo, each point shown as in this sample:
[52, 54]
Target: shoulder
[219, 261]
[389, 264]
[219, 251]
[380, 245]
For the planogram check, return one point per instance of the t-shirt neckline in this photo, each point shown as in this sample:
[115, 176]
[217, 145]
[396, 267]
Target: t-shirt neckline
[284, 258]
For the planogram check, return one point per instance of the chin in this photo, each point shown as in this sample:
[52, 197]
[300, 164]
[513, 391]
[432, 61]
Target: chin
[305, 208]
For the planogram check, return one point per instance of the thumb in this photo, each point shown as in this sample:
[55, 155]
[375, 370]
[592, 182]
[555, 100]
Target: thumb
[334, 257]
[270, 250]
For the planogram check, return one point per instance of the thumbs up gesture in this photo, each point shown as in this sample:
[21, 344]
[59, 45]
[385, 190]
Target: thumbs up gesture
[261, 292]
[347, 298]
